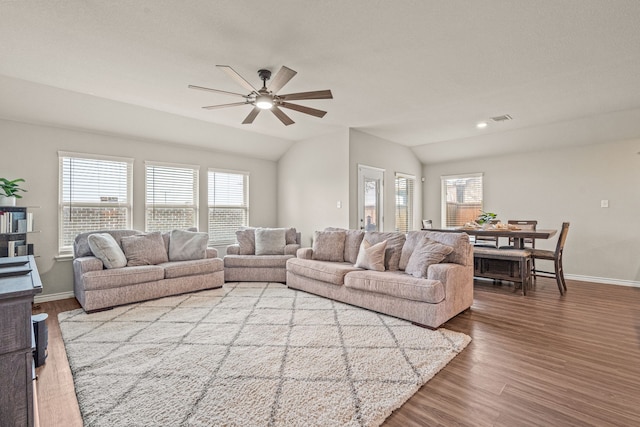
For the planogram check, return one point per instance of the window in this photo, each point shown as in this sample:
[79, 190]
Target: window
[95, 194]
[228, 205]
[171, 199]
[461, 199]
[405, 185]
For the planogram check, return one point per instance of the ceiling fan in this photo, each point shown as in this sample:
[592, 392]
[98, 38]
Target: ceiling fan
[266, 98]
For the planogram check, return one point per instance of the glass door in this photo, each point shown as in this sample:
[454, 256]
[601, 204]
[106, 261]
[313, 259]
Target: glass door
[370, 192]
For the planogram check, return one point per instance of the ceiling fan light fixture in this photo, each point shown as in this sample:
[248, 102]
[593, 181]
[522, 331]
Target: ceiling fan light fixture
[264, 102]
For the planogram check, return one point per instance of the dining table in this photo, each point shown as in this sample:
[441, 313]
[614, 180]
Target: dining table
[518, 236]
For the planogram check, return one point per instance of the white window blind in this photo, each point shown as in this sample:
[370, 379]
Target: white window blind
[95, 194]
[405, 185]
[171, 199]
[461, 199]
[228, 194]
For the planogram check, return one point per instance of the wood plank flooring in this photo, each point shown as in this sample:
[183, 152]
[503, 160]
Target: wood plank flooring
[539, 360]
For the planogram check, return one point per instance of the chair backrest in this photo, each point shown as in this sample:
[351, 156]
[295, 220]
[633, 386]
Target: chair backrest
[524, 224]
[562, 238]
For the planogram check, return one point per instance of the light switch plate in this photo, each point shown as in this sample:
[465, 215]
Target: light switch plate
[604, 203]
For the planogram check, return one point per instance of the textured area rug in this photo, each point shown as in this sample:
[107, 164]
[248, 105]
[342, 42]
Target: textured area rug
[248, 354]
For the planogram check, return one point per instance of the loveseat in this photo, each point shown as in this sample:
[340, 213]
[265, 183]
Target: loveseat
[261, 254]
[155, 265]
[439, 287]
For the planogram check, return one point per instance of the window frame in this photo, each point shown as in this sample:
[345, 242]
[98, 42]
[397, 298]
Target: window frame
[195, 187]
[410, 200]
[65, 250]
[211, 203]
[443, 193]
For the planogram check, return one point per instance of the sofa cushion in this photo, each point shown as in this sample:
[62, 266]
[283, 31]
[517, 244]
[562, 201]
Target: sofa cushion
[458, 241]
[412, 240]
[118, 277]
[144, 249]
[395, 242]
[396, 284]
[187, 245]
[325, 271]
[194, 267]
[427, 252]
[270, 241]
[352, 241]
[105, 247]
[246, 241]
[328, 246]
[254, 261]
[371, 257]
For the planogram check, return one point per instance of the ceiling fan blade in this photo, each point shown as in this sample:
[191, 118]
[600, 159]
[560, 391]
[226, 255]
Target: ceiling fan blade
[317, 94]
[216, 91]
[238, 78]
[286, 120]
[251, 117]
[303, 109]
[213, 107]
[282, 78]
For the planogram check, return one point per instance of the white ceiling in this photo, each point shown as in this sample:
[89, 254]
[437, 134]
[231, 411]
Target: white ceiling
[419, 73]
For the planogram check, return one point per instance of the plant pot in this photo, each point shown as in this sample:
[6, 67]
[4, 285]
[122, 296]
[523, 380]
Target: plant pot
[7, 201]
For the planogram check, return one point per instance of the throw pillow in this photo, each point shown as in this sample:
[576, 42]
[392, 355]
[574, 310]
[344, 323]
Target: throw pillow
[270, 241]
[144, 249]
[246, 241]
[105, 248]
[371, 257]
[426, 253]
[352, 243]
[414, 238]
[328, 246]
[291, 236]
[395, 242]
[186, 245]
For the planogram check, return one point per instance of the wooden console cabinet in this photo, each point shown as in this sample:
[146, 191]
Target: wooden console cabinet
[19, 282]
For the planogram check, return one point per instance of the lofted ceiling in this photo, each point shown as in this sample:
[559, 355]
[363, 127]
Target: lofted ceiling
[418, 73]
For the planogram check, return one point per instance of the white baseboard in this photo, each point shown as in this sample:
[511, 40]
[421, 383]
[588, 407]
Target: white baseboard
[604, 280]
[53, 297]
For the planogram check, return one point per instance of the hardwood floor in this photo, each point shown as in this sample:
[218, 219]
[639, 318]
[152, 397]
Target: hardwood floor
[539, 360]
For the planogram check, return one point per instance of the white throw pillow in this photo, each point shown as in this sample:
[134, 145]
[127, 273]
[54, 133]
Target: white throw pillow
[107, 250]
[187, 245]
[371, 257]
[270, 241]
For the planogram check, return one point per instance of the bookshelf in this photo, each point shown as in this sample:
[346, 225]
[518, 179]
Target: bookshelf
[16, 224]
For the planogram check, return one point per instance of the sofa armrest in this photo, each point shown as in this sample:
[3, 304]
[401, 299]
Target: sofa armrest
[304, 253]
[291, 249]
[212, 253]
[233, 249]
[449, 273]
[87, 263]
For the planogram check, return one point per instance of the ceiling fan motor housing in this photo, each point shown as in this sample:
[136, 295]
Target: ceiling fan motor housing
[264, 74]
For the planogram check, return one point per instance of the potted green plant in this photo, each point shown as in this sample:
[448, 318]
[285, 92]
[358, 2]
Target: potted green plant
[486, 217]
[10, 191]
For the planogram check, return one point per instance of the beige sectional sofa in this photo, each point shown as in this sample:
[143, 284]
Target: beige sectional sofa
[243, 263]
[97, 287]
[445, 291]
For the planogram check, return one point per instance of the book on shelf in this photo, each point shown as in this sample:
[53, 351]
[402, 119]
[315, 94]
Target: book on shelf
[29, 221]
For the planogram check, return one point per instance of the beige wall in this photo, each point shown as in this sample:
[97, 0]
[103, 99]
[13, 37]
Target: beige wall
[30, 152]
[566, 184]
[380, 153]
[313, 177]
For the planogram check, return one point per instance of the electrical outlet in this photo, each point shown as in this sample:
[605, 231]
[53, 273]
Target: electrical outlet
[604, 203]
[339, 204]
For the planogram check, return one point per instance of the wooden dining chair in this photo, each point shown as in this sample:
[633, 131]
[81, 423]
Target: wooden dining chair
[556, 257]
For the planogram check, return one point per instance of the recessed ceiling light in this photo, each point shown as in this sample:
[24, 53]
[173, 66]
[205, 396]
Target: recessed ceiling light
[481, 125]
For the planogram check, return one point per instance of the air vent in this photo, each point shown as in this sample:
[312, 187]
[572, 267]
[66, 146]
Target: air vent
[502, 118]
